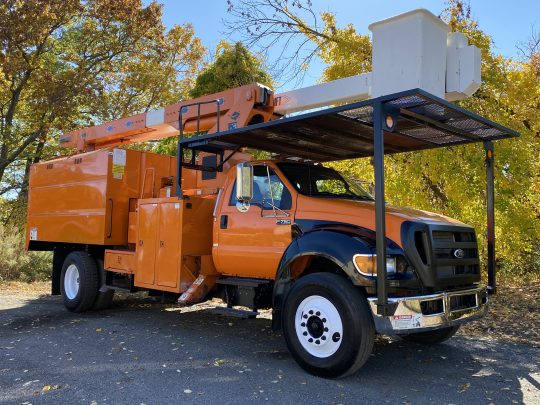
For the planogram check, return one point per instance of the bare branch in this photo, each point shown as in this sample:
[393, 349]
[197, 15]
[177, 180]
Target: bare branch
[279, 24]
[532, 46]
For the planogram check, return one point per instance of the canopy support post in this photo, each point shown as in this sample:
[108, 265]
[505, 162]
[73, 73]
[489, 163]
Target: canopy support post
[383, 307]
[490, 205]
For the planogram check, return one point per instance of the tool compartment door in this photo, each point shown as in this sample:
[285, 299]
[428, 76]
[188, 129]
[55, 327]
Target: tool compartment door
[148, 217]
[169, 242]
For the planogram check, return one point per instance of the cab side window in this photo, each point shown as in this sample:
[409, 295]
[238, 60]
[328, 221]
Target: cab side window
[267, 185]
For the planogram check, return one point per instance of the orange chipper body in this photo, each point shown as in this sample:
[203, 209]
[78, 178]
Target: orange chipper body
[105, 196]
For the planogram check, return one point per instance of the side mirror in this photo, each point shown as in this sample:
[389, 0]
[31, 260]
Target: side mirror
[244, 186]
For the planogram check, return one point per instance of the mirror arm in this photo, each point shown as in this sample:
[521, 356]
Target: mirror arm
[270, 189]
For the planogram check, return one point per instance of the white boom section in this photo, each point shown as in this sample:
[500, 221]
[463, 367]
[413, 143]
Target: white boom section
[412, 50]
[347, 90]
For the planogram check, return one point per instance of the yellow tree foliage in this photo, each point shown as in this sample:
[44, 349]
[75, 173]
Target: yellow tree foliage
[452, 180]
[346, 54]
[70, 63]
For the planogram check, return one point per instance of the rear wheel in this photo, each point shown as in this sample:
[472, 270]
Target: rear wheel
[432, 337]
[327, 324]
[79, 281]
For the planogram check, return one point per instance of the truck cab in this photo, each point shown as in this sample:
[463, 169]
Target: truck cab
[292, 200]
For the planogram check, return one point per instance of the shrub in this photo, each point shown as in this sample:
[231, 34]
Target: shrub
[18, 264]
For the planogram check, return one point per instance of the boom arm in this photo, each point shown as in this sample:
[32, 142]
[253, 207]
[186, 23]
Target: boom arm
[229, 109]
[412, 50]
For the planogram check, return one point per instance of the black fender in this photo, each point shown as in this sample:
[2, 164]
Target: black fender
[336, 242]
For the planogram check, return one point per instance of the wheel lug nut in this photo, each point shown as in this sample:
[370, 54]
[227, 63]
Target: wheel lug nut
[305, 333]
[318, 342]
[326, 329]
[303, 324]
[311, 312]
[323, 337]
[317, 313]
[305, 316]
[324, 320]
[310, 340]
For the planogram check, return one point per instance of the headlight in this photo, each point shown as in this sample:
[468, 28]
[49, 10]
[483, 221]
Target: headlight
[367, 264]
[390, 265]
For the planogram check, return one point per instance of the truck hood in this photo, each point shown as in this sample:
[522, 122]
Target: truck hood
[362, 213]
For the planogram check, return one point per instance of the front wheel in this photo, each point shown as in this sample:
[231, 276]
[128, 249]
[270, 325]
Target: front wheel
[79, 281]
[327, 324]
[432, 337]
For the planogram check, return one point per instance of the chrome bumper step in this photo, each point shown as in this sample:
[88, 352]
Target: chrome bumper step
[428, 312]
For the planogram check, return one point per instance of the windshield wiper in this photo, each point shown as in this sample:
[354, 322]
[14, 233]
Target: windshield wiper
[351, 196]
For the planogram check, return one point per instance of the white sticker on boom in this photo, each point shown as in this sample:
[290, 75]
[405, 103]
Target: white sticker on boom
[405, 321]
[33, 233]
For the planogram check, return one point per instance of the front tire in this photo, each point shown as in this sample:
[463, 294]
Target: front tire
[432, 337]
[79, 281]
[327, 324]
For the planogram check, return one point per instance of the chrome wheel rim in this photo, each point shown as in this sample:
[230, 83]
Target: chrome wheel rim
[71, 282]
[318, 326]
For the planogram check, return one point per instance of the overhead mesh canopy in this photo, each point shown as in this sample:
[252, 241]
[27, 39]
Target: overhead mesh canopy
[346, 132]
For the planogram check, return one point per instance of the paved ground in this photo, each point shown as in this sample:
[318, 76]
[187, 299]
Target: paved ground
[139, 352]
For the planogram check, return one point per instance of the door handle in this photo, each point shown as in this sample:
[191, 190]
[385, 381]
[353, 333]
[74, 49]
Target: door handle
[223, 221]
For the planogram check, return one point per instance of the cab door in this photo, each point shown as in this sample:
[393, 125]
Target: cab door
[251, 244]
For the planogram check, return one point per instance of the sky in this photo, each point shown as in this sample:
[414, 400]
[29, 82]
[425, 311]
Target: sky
[508, 22]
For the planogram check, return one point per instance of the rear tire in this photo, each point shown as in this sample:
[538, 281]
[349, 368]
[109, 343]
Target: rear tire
[79, 281]
[432, 337]
[327, 325]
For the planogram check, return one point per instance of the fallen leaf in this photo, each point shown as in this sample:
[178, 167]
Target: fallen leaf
[463, 387]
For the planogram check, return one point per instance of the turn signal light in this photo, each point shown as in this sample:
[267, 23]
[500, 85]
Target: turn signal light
[366, 264]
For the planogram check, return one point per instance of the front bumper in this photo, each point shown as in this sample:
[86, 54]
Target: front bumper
[429, 312]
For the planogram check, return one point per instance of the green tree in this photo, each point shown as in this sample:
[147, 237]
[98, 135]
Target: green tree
[233, 66]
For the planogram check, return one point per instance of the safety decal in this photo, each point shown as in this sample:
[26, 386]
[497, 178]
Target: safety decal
[119, 163]
[405, 321]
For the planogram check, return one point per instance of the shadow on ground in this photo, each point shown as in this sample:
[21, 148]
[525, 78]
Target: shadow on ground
[142, 352]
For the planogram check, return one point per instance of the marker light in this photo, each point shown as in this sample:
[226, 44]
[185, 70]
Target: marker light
[366, 264]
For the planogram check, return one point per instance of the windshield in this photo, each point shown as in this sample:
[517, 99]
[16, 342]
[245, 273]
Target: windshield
[320, 181]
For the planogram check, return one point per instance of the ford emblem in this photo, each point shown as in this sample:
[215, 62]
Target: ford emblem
[459, 253]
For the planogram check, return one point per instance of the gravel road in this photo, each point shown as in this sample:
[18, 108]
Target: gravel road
[140, 352]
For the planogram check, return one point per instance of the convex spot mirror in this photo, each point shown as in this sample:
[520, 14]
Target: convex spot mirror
[244, 186]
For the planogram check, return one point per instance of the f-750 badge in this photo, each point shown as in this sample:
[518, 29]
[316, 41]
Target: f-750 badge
[283, 222]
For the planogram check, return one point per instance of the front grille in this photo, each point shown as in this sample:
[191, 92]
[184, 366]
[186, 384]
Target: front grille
[444, 255]
[455, 253]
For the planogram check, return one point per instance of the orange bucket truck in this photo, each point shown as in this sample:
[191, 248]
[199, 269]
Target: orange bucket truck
[335, 264]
